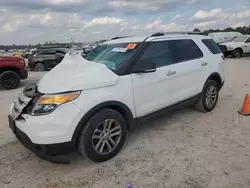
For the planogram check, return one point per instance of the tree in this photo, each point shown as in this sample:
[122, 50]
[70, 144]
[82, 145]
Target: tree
[197, 30]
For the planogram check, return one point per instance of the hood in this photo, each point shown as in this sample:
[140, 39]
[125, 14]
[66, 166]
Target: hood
[76, 73]
[230, 43]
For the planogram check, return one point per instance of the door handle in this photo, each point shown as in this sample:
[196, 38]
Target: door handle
[170, 73]
[204, 64]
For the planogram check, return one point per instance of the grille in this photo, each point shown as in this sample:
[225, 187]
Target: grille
[223, 47]
[20, 101]
[16, 110]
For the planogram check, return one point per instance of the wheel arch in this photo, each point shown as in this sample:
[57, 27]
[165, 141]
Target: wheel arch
[239, 48]
[14, 69]
[215, 77]
[115, 105]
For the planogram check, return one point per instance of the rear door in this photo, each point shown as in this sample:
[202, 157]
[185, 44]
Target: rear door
[190, 68]
[48, 58]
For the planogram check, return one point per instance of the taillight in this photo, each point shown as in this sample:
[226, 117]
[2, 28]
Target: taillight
[223, 57]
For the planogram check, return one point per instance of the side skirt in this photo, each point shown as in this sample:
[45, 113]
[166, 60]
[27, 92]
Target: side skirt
[173, 108]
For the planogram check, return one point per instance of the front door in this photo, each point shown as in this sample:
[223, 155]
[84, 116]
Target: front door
[246, 47]
[151, 90]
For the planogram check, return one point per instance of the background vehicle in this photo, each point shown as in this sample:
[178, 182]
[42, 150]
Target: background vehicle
[120, 83]
[12, 70]
[237, 47]
[220, 37]
[46, 59]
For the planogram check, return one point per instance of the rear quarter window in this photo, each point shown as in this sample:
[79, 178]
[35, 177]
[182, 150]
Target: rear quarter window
[212, 46]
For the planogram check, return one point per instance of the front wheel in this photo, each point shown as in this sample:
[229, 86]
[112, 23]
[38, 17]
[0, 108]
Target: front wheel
[103, 135]
[237, 53]
[209, 97]
[9, 80]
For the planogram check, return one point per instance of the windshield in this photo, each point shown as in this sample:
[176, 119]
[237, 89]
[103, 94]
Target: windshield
[240, 39]
[112, 55]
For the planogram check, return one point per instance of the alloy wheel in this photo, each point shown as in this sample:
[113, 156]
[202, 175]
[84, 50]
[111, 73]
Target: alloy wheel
[106, 136]
[211, 96]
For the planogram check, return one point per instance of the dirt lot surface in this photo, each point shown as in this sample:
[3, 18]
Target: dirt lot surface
[188, 149]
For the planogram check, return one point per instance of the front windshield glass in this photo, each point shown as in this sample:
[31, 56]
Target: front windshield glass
[240, 39]
[112, 55]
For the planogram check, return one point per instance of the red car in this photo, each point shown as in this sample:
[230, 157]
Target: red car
[12, 71]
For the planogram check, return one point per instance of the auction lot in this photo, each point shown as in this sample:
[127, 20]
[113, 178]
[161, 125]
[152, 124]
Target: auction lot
[187, 149]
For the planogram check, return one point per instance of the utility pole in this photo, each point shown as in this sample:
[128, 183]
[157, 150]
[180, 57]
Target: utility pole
[72, 41]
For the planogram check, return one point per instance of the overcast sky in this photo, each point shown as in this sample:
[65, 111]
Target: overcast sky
[38, 21]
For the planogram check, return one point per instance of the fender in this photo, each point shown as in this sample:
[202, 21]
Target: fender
[118, 106]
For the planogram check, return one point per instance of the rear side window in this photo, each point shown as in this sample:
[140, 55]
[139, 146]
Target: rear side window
[184, 50]
[212, 46]
[50, 52]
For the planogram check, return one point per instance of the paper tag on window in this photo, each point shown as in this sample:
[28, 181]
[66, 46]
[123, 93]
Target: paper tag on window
[119, 50]
[131, 46]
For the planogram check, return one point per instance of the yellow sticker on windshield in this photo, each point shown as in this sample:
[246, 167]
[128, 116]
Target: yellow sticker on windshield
[131, 46]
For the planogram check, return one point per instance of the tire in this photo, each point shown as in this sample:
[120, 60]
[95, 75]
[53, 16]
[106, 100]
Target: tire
[203, 105]
[226, 54]
[9, 80]
[237, 53]
[39, 67]
[88, 145]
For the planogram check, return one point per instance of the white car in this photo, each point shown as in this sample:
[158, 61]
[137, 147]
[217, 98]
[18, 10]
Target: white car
[89, 104]
[220, 37]
[237, 47]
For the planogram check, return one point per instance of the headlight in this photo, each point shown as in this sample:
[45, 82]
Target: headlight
[230, 48]
[48, 103]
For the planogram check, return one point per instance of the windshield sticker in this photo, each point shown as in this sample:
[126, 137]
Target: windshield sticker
[119, 50]
[131, 46]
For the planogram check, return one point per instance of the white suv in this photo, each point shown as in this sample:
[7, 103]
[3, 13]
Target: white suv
[90, 104]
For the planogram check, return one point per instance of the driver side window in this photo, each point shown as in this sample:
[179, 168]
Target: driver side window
[157, 53]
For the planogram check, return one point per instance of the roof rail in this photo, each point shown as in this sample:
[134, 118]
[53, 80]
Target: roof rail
[119, 37]
[177, 32]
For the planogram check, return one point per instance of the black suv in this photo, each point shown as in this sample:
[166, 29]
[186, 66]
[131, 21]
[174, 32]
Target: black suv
[46, 59]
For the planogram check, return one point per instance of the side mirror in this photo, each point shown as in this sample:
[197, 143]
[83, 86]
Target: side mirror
[144, 67]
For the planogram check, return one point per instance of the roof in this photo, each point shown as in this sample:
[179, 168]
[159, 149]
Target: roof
[126, 40]
[150, 38]
[62, 49]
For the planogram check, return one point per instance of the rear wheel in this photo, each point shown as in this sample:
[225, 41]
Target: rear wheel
[39, 67]
[209, 97]
[9, 80]
[103, 136]
[237, 53]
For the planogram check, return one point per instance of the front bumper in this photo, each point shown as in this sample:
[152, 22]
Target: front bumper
[49, 152]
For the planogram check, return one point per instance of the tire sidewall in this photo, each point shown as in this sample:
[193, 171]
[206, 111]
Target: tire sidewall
[6, 74]
[39, 64]
[237, 52]
[85, 140]
[208, 84]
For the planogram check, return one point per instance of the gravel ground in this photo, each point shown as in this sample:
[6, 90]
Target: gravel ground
[187, 149]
